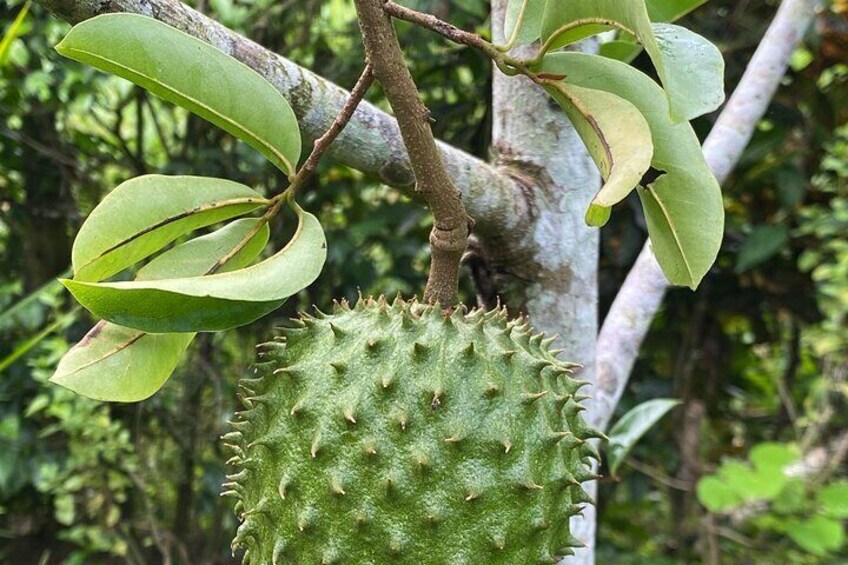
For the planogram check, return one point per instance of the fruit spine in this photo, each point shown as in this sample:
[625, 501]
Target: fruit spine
[393, 434]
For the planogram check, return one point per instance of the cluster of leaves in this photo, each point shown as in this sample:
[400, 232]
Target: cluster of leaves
[810, 513]
[637, 131]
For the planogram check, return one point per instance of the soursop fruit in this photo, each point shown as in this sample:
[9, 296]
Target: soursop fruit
[393, 434]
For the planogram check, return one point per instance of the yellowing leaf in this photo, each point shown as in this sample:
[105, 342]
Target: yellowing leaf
[683, 205]
[617, 136]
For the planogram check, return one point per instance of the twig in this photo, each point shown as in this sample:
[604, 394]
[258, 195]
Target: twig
[322, 143]
[659, 476]
[452, 225]
[453, 33]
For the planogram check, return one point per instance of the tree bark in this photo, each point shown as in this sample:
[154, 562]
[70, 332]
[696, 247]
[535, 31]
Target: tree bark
[533, 137]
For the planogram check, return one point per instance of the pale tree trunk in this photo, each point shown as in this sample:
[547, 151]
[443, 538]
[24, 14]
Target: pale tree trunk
[532, 137]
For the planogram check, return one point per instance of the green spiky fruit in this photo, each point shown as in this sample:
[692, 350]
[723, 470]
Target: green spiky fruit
[392, 434]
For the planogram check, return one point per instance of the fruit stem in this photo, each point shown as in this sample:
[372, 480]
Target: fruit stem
[451, 223]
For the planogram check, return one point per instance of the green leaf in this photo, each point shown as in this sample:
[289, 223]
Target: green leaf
[834, 499]
[762, 244]
[143, 215]
[12, 33]
[523, 21]
[773, 456]
[617, 136]
[683, 206]
[750, 483]
[818, 535]
[690, 67]
[193, 74]
[632, 426]
[120, 364]
[212, 302]
[715, 495]
[671, 10]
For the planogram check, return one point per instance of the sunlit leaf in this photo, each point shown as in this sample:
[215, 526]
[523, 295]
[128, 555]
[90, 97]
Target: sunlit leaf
[671, 10]
[683, 204]
[143, 215]
[120, 364]
[690, 67]
[628, 430]
[189, 72]
[818, 535]
[834, 499]
[617, 136]
[212, 302]
[715, 495]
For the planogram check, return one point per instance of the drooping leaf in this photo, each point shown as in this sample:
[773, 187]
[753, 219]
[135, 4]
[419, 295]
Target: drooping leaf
[212, 302]
[617, 136]
[632, 426]
[144, 214]
[683, 206]
[12, 33]
[120, 364]
[690, 67]
[189, 72]
[523, 21]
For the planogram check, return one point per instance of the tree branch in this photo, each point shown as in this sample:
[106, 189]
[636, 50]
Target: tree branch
[371, 142]
[640, 297]
[451, 223]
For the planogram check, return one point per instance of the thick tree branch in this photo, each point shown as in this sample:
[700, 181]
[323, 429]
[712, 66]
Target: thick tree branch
[451, 223]
[640, 297]
[370, 143]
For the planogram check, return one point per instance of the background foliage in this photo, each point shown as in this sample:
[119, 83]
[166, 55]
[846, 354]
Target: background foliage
[758, 356]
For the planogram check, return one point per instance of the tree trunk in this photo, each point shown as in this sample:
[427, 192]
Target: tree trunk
[532, 137]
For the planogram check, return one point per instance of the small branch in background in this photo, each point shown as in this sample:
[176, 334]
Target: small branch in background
[323, 143]
[658, 475]
[452, 225]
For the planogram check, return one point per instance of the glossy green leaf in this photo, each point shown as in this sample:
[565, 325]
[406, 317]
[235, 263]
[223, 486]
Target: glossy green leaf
[617, 136]
[211, 302]
[189, 72]
[143, 215]
[523, 21]
[683, 206]
[690, 67]
[632, 426]
[121, 364]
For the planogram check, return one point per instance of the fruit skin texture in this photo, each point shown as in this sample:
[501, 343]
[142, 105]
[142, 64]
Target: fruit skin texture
[393, 434]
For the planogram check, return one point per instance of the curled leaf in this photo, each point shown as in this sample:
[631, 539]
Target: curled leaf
[143, 215]
[211, 302]
[617, 136]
